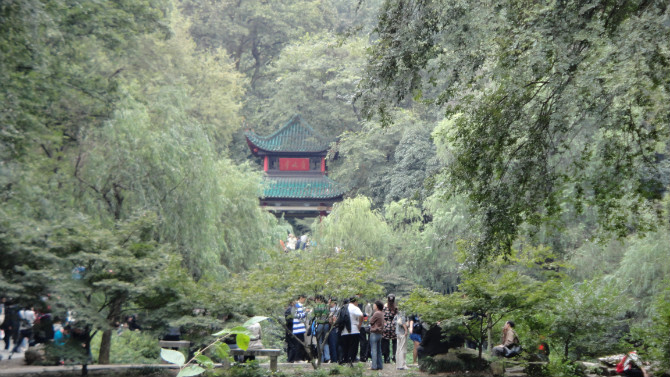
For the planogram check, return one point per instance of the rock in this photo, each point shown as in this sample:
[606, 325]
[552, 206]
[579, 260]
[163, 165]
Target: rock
[35, 355]
[612, 360]
[596, 368]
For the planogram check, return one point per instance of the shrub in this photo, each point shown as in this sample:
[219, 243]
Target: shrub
[130, 347]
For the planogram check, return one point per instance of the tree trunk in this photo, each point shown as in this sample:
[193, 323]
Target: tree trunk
[105, 347]
[106, 341]
[489, 335]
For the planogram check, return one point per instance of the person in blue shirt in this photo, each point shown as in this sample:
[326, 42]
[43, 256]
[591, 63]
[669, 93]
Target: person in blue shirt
[62, 336]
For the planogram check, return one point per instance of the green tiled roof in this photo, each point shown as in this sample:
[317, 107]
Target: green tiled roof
[295, 136]
[317, 187]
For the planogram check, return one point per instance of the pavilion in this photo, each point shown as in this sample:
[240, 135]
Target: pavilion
[294, 161]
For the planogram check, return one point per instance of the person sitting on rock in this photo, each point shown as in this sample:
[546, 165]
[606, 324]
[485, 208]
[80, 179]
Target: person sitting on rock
[631, 366]
[510, 346]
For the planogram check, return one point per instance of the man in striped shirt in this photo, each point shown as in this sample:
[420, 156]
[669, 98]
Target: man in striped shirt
[299, 330]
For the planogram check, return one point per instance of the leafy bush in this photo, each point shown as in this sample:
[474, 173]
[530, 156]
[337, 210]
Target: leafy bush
[661, 327]
[249, 369]
[564, 368]
[130, 347]
[433, 366]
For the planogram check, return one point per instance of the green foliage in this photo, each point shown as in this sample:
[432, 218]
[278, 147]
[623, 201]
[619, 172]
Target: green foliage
[200, 362]
[659, 347]
[432, 366]
[249, 369]
[644, 267]
[486, 296]
[433, 260]
[353, 225]
[254, 32]
[545, 115]
[319, 73]
[387, 164]
[269, 288]
[564, 368]
[130, 347]
[579, 316]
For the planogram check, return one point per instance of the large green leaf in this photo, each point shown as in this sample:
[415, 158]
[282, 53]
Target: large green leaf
[253, 320]
[242, 341]
[191, 370]
[239, 330]
[204, 361]
[173, 357]
[222, 332]
[222, 351]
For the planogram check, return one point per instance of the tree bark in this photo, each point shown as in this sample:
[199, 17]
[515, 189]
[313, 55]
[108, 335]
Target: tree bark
[106, 341]
[489, 328]
[105, 347]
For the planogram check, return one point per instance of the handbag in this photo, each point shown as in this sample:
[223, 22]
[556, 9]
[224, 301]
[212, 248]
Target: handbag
[514, 350]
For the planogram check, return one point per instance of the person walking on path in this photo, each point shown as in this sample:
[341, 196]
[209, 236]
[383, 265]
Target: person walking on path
[376, 328]
[402, 335]
[27, 318]
[388, 334]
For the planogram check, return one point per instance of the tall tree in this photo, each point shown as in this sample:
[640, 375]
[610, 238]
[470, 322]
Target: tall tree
[549, 103]
[254, 32]
[319, 74]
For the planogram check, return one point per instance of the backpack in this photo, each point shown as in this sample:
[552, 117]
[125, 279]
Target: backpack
[343, 319]
[418, 328]
[25, 323]
[620, 365]
[288, 315]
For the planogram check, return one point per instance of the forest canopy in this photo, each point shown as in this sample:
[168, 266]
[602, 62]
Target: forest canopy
[513, 152]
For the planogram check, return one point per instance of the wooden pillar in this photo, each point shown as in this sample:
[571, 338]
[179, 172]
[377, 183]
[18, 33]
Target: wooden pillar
[266, 163]
[323, 165]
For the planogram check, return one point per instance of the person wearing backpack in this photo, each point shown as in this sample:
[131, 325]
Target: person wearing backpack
[351, 330]
[415, 334]
[631, 366]
[288, 316]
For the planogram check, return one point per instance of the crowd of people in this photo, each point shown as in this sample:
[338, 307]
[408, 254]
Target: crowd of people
[352, 331]
[24, 327]
[293, 243]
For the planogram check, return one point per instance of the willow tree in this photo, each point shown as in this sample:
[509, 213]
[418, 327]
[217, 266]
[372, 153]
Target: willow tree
[353, 225]
[552, 106]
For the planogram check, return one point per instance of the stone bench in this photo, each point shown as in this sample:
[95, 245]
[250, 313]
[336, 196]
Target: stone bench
[272, 353]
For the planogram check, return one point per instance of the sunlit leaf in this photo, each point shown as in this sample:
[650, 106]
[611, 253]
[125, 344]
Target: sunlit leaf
[173, 357]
